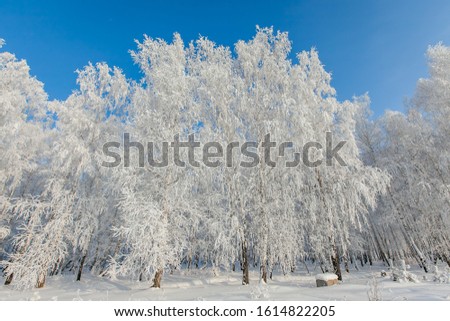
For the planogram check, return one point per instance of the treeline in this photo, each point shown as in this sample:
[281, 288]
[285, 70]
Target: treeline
[63, 211]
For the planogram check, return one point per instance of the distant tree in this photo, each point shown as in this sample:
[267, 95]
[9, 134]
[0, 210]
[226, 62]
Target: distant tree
[410, 220]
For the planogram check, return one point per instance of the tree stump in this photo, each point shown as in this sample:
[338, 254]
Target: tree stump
[326, 279]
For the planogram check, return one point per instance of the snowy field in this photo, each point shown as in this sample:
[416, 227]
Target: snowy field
[204, 285]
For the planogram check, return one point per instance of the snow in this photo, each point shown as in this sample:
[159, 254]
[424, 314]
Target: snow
[326, 276]
[204, 285]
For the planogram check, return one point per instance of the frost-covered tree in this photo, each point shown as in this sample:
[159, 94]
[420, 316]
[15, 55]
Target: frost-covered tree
[223, 193]
[75, 205]
[432, 101]
[159, 196]
[90, 117]
[296, 103]
[23, 104]
[412, 219]
[263, 70]
[22, 108]
[340, 191]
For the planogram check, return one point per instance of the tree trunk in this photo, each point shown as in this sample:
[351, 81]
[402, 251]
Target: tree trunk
[157, 278]
[423, 265]
[306, 267]
[354, 261]
[41, 281]
[55, 268]
[245, 277]
[347, 269]
[9, 279]
[336, 263]
[263, 272]
[446, 259]
[80, 269]
[365, 258]
[321, 268]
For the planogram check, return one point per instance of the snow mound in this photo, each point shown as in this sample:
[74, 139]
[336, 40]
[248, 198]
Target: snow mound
[260, 292]
[399, 275]
[326, 276]
[440, 276]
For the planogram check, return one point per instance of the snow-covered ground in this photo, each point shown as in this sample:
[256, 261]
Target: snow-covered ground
[204, 285]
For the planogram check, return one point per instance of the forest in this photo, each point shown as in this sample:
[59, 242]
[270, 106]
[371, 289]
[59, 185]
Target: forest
[62, 211]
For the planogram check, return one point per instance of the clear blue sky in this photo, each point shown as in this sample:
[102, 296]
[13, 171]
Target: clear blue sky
[369, 46]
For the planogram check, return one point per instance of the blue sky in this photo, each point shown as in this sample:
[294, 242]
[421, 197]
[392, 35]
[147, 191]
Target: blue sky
[368, 46]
